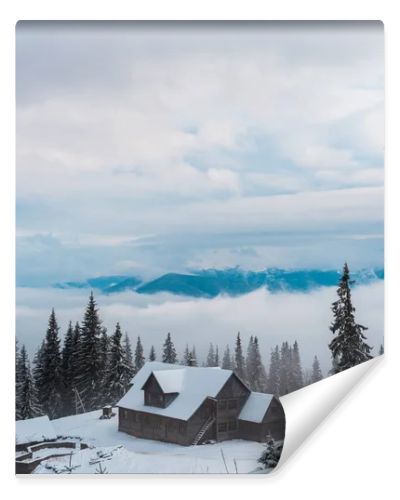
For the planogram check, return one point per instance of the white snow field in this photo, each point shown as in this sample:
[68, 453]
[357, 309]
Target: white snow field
[117, 452]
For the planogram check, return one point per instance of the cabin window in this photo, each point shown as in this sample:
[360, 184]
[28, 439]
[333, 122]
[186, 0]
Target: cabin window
[222, 427]
[232, 425]
[222, 404]
[232, 403]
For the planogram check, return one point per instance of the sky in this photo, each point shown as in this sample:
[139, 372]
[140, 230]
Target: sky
[145, 148]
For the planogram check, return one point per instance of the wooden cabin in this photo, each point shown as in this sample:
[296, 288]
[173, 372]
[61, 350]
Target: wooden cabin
[191, 405]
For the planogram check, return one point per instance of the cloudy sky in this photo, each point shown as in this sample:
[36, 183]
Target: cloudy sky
[144, 148]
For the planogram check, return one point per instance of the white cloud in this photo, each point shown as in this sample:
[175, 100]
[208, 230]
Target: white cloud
[272, 317]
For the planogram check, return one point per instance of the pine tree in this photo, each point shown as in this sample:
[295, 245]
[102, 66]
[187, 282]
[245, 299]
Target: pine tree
[129, 356]
[29, 406]
[118, 375]
[139, 357]
[273, 386]
[17, 382]
[316, 375]
[259, 374]
[152, 354]
[68, 376]
[216, 356]
[250, 363]
[49, 381]
[20, 378]
[227, 359]
[285, 372]
[38, 364]
[348, 347]
[210, 356]
[240, 365]
[194, 356]
[187, 357]
[89, 378]
[381, 350]
[296, 369]
[169, 352]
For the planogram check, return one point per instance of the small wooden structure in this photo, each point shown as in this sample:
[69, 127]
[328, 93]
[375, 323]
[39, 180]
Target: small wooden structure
[107, 412]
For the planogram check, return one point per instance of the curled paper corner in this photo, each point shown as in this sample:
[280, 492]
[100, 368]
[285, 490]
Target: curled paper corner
[307, 408]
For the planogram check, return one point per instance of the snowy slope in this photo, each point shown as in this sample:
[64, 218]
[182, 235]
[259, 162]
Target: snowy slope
[134, 455]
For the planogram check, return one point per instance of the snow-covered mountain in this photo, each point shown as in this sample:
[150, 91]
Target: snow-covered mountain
[209, 283]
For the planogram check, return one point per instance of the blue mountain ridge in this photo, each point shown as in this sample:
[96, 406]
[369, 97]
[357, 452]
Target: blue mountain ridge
[209, 283]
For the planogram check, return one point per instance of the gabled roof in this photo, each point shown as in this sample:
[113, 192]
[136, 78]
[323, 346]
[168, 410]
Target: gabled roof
[256, 407]
[170, 381]
[193, 384]
[34, 430]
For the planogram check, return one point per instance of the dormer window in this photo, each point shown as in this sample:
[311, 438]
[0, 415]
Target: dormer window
[157, 393]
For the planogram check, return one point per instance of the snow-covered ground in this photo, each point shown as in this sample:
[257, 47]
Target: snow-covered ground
[118, 452]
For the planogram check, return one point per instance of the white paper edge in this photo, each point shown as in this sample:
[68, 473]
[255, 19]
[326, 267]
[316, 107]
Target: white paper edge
[306, 408]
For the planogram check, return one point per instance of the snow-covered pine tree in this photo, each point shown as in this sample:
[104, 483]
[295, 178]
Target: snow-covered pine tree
[194, 357]
[210, 356]
[227, 359]
[348, 347]
[29, 406]
[89, 378]
[17, 382]
[152, 354]
[187, 356]
[274, 372]
[139, 357]
[68, 376]
[240, 365]
[129, 355]
[297, 381]
[316, 374]
[250, 363]
[20, 377]
[216, 363]
[272, 454]
[49, 381]
[169, 352]
[119, 373]
[285, 372]
[259, 373]
[38, 367]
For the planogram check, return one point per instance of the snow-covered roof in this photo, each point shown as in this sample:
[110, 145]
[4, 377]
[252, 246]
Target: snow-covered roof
[170, 380]
[255, 407]
[193, 384]
[34, 430]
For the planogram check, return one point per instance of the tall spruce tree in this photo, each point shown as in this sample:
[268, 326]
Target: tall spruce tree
[129, 355]
[227, 359]
[152, 354]
[29, 406]
[68, 375]
[17, 382]
[118, 375]
[49, 381]
[20, 377]
[297, 381]
[316, 374]
[258, 371]
[250, 363]
[194, 356]
[348, 347]
[139, 357]
[169, 352]
[216, 363]
[285, 369]
[240, 365]
[211, 356]
[89, 378]
[273, 386]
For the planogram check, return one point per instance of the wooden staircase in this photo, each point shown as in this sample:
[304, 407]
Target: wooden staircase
[202, 431]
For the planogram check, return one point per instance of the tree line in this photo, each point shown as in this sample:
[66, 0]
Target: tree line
[93, 368]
